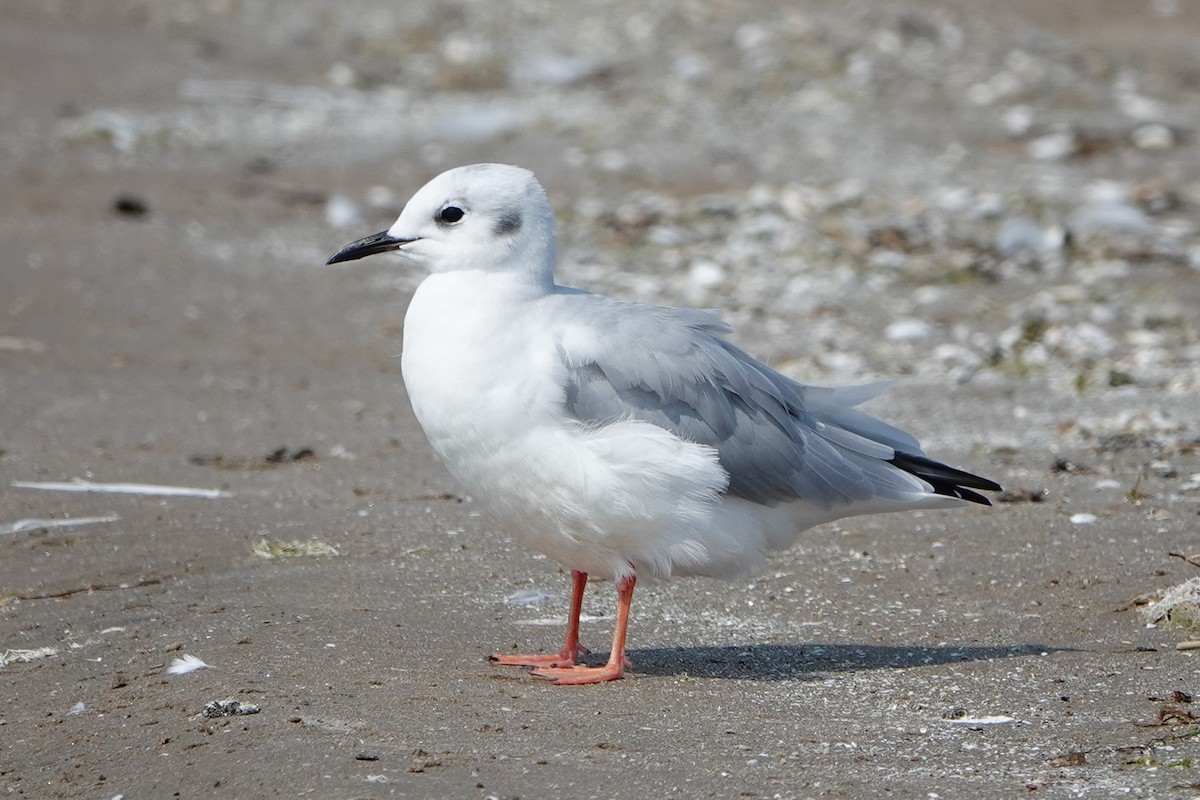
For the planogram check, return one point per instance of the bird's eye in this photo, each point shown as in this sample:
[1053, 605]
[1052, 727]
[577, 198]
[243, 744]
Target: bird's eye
[450, 214]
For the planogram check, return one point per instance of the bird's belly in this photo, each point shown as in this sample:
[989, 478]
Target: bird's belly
[595, 500]
[528, 478]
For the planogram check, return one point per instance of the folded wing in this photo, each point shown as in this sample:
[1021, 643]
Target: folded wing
[778, 439]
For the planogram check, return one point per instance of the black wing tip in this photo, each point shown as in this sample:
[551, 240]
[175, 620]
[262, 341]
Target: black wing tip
[972, 496]
[947, 480]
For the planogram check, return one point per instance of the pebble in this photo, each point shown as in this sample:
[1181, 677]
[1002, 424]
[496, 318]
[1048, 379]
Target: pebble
[1018, 120]
[553, 69]
[1109, 216]
[341, 75]
[1152, 136]
[907, 330]
[382, 197]
[705, 274]
[1023, 235]
[342, 213]
[130, 205]
[1053, 146]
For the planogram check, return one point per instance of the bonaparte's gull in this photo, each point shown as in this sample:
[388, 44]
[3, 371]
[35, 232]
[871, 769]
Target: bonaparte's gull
[617, 438]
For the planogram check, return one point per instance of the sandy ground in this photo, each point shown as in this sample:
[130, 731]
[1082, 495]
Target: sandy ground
[175, 174]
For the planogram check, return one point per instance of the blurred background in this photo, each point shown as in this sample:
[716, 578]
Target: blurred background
[772, 159]
[997, 203]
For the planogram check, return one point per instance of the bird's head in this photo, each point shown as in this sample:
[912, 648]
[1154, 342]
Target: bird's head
[490, 217]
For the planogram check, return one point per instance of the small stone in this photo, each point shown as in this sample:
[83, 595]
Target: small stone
[1018, 120]
[130, 205]
[342, 212]
[553, 69]
[1164, 469]
[612, 161]
[1053, 146]
[1023, 235]
[342, 76]
[381, 197]
[1083, 518]
[907, 330]
[690, 67]
[1109, 216]
[888, 260]
[1152, 136]
[705, 274]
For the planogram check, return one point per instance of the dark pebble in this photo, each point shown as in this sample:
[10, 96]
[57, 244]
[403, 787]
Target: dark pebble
[130, 205]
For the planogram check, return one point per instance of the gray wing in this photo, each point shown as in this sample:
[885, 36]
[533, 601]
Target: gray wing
[778, 439]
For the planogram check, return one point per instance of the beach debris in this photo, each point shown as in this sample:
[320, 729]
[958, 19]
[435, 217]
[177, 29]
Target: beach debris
[186, 664]
[1172, 711]
[1075, 759]
[216, 709]
[1193, 559]
[996, 719]
[33, 524]
[16, 344]
[26, 655]
[77, 709]
[280, 455]
[272, 548]
[152, 489]
[1023, 495]
[528, 597]
[1180, 606]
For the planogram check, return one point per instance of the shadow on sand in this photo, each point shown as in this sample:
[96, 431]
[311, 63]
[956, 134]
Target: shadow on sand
[781, 662]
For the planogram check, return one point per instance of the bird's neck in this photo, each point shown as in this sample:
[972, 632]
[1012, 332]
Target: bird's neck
[468, 302]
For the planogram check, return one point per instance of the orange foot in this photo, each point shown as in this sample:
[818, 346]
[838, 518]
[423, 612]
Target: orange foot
[575, 676]
[564, 659]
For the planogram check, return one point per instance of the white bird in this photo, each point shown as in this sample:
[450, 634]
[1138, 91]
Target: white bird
[617, 438]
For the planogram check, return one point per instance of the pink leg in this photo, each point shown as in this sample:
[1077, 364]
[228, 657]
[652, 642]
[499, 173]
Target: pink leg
[572, 649]
[617, 662]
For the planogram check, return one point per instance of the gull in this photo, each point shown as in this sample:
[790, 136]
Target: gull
[620, 439]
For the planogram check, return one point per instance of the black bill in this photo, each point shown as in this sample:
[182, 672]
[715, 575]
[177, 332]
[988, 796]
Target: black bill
[380, 242]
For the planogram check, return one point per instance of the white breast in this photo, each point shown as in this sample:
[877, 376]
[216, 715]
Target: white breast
[459, 350]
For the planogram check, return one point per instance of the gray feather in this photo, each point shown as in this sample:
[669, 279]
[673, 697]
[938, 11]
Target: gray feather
[778, 439]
